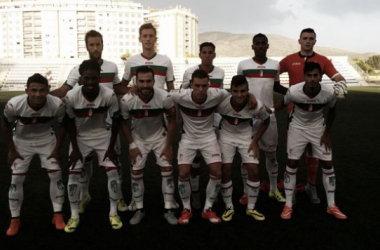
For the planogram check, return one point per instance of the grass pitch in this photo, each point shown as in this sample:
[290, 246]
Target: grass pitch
[355, 137]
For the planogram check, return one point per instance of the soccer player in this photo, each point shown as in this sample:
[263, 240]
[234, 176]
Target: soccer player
[88, 107]
[294, 64]
[162, 65]
[262, 74]
[235, 129]
[108, 78]
[33, 114]
[216, 74]
[307, 125]
[146, 109]
[197, 107]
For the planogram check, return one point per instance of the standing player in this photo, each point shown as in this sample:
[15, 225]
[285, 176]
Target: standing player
[148, 133]
[235, 129]
[307, 126]
[108, 78]
[88, 107]
[216, 74]
[161, 65]
[197, 107]
[294, 64]
[262, 74]
[34, 114]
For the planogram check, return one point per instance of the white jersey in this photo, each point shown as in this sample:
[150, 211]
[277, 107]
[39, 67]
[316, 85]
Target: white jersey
[34, 125]
[108, 75]
[161, 65]
[261, 78]
[308, 111]
[90, 116]
[147, 118]
[198, 118]
[216, 77]
[237, 125]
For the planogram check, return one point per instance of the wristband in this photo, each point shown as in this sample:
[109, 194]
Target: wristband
[132, 145]
[273, 110]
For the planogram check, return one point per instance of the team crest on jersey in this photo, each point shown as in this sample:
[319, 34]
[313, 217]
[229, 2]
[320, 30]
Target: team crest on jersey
[170, 183]
[236, 121]
[199, 113]
[135, 187]
[90, 113]
[332, 181]
[12, 188]
[311, 108]
[114, 186]
[72, 189]
[60, 185]
[34, 120]
[146, 113]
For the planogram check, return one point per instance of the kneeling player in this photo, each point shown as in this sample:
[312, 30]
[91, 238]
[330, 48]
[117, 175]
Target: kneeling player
[34, 114]
[236, 128]
[307, 125]
[147, 109]
[87, 108]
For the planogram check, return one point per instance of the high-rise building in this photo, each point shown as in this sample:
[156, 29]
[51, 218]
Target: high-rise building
[56, 28]
[177, 31]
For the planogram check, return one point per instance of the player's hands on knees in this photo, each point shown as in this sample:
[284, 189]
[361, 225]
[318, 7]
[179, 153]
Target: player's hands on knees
[55, 154]
[133, 154]
[75, 156]
[254, 147]
[325, 140]
[167, 152]
[112, 155]
[12, 156]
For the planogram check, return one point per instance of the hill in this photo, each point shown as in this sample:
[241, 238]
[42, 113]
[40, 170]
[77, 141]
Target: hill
[238, 45]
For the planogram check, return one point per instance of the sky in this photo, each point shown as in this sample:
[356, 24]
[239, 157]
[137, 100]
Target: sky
[352, 25]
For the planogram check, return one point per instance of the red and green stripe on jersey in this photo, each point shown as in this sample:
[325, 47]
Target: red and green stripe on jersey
[311, 107]
[260, 73]
[194, 112]
[35, 120]
[89, 112]
[104, 78]
[144, 113]
[236, 120]
[158, 70]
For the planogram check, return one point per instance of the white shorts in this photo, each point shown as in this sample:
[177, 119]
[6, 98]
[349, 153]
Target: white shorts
[145, 148]
[298, 140]
[269, 140]
[228, 150]
[98, 145]
[27, 149]
[187, 151]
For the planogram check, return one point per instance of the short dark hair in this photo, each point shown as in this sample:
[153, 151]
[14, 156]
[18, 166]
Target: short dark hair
[90, 64]
[259, 35]
[200, 74]
[147, 26]
[206, 44]
[92, 33]
[37, 78]
[308, 30]
[309, 66]
[144, 69]
[238, 80]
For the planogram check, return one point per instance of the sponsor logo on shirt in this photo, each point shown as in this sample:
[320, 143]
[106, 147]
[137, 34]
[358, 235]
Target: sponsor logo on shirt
[261, 67]
[148, 63]
[90, 105]
[296, 64]
[146, 106]
[215, 155]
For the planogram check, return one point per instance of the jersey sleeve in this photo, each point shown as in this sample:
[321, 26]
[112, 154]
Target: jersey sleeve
[283, 65]
[61, 112]
[223, 94]
[127, 71]
[329, 69]
[10, 114]
[169, 107]
[116, 79]
[287, 97]
[170, 72]
[69, 107]
[186, 80]
[73, 78]
[240, 69]
[124, 109]
[113, 109]
[175, 94]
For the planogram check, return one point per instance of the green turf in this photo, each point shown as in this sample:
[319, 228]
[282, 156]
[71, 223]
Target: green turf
[355, 138]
